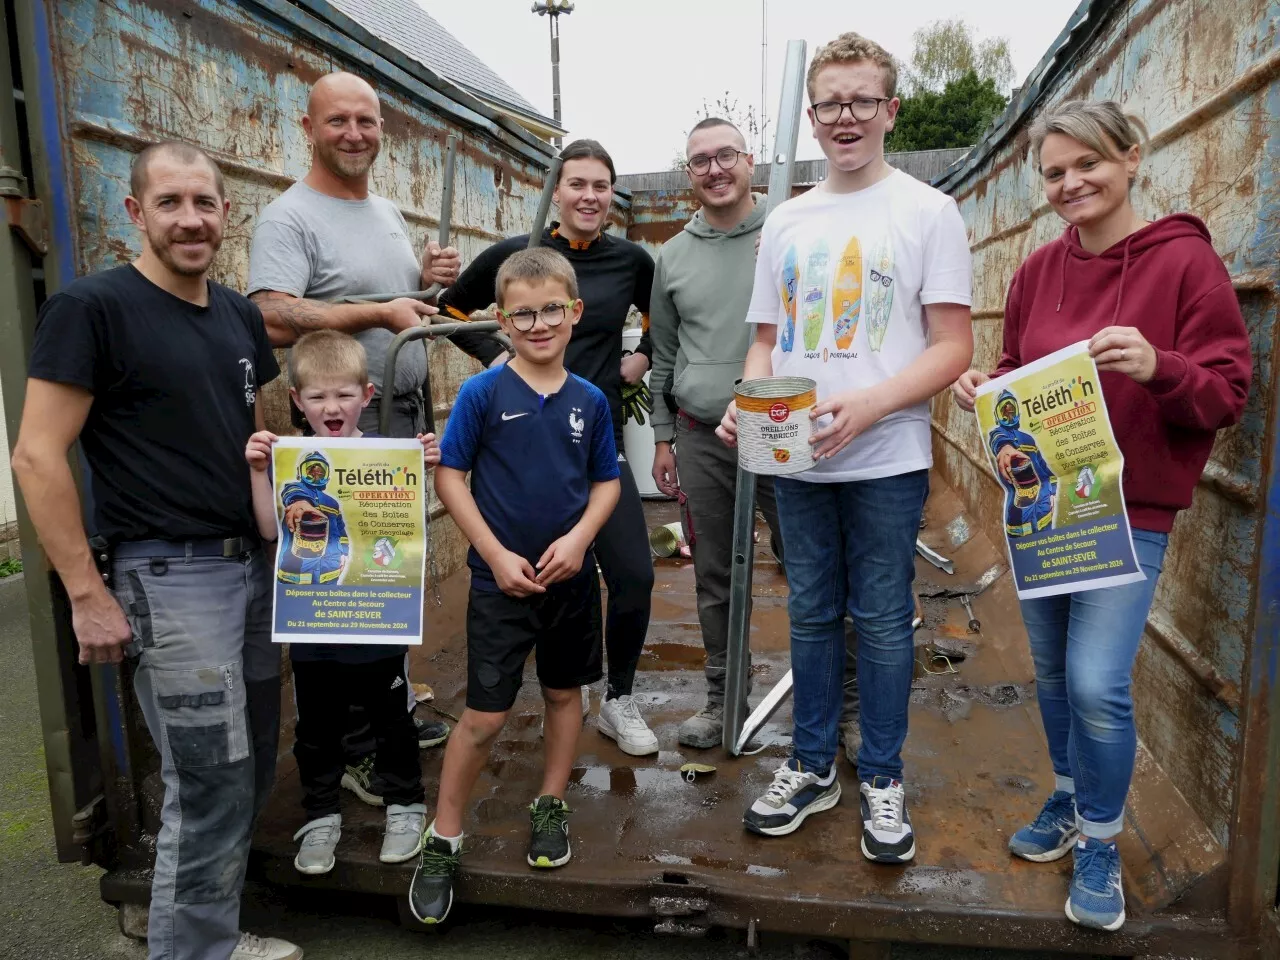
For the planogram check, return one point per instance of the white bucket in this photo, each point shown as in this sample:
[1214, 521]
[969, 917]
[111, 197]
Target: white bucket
[774, 425]
[637, 439]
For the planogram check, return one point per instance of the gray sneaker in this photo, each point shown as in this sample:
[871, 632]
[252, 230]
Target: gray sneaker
[851, 737]
[405, 828]
[705, 729]
[319, 840]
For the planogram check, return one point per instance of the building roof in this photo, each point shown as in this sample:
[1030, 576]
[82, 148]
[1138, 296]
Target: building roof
[408, 27]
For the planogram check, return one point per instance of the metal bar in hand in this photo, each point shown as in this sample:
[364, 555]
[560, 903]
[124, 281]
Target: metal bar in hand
[738, 665]
[544, 205]
[417, 333]
[446, 199]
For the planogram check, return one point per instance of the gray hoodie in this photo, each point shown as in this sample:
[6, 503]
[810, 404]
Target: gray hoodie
[697, 317]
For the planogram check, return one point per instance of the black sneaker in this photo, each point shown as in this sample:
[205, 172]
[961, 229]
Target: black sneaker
[359, 779]
[431, 890]
[549, 838]
[887, 836]
[793, 796]
[431, 733]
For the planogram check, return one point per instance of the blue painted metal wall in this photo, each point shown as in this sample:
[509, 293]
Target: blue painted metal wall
[1203, 74]
[233, 76]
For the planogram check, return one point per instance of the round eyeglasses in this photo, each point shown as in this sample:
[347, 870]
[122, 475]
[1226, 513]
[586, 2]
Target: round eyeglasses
[726, 158]
[828, 112]
[552, 315]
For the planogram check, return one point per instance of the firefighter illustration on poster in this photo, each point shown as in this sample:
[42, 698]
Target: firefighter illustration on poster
[314, 544]
[1031, 489]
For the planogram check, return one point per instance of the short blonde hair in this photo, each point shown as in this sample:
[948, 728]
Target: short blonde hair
[850, 48]
[327, 355]
[1101, 125]
[536, 265]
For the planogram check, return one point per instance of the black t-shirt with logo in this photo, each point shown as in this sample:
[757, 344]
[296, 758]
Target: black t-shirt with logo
[174, 386]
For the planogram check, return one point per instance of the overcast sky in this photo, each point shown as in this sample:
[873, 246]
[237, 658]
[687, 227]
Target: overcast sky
[634, 73]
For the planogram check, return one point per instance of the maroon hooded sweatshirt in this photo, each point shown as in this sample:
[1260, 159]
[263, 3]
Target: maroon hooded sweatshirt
[1166, 281]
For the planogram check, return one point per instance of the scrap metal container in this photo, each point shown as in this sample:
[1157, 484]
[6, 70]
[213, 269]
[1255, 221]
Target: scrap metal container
[1204, 76]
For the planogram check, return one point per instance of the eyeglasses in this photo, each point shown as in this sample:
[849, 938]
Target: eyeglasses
[726, 158]
[552, 315]
[828, 112]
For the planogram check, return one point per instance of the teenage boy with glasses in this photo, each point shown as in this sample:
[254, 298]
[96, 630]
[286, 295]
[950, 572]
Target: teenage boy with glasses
[879, 317]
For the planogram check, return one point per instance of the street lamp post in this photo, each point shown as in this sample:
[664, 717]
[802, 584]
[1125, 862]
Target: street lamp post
[552, 10]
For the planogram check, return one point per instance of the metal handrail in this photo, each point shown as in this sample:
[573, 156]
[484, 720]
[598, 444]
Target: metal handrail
[385, 403]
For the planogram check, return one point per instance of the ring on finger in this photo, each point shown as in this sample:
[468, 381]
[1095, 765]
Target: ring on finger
[1122, 353]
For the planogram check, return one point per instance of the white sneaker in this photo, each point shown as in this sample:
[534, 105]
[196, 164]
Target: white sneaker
[405, 828]
[319, 840]
[264, 948]
[620, 720]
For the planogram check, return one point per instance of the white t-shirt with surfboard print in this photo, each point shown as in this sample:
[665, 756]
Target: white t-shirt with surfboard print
[845, 278]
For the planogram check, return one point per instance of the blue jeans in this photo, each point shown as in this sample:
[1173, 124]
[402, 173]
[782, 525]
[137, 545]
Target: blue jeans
[851, 549]
[208, 682]
[1084, 645]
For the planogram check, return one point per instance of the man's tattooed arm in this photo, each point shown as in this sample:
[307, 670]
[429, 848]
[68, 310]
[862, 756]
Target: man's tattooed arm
[288, 318]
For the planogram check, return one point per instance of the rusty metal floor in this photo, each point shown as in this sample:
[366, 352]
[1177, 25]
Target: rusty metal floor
[648, 843]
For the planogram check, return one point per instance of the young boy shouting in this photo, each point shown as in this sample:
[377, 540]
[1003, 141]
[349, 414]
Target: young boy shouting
[876, 269]
[330, 385]
[538, 442]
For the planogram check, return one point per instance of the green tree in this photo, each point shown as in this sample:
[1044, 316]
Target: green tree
[946, 50]
[956, 117]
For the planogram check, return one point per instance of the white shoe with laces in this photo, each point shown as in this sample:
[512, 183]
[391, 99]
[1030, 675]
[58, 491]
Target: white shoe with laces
[887, 836]
[792, 797]
[264, 948]
[620, 720]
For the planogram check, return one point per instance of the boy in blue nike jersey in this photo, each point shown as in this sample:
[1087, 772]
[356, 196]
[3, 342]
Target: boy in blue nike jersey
[538, 443]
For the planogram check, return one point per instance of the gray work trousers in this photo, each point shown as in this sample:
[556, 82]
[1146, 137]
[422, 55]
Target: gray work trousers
[208, 682]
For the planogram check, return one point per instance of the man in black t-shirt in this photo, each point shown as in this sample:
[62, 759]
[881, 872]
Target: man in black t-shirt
[156, 371]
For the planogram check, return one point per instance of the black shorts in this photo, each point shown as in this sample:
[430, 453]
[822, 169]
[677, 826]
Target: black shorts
[562, 626]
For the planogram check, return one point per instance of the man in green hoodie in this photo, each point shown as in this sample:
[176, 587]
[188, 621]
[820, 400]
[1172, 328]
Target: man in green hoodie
[701, 291]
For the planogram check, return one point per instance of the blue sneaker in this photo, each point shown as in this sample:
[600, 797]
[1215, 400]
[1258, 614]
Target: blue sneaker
[1097, 899]
[793, 796]
[1051, 834]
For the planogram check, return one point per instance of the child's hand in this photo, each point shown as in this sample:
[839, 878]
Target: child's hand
[514, 576]
[851, 414]
[258, 450]
[562, 560]
[430, 449]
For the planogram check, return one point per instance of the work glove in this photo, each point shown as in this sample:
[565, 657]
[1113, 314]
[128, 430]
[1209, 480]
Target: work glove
[637, 400]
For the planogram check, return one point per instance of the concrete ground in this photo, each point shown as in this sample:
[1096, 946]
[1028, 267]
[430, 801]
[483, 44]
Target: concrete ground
[51, 911]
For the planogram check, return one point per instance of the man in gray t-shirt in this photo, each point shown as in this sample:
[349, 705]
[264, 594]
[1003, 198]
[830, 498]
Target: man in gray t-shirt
[328, 237]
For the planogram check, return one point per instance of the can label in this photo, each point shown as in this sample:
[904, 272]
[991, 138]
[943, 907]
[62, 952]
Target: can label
[774, 425]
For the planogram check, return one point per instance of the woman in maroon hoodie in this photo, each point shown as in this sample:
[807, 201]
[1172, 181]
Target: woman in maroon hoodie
[1156, 305]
